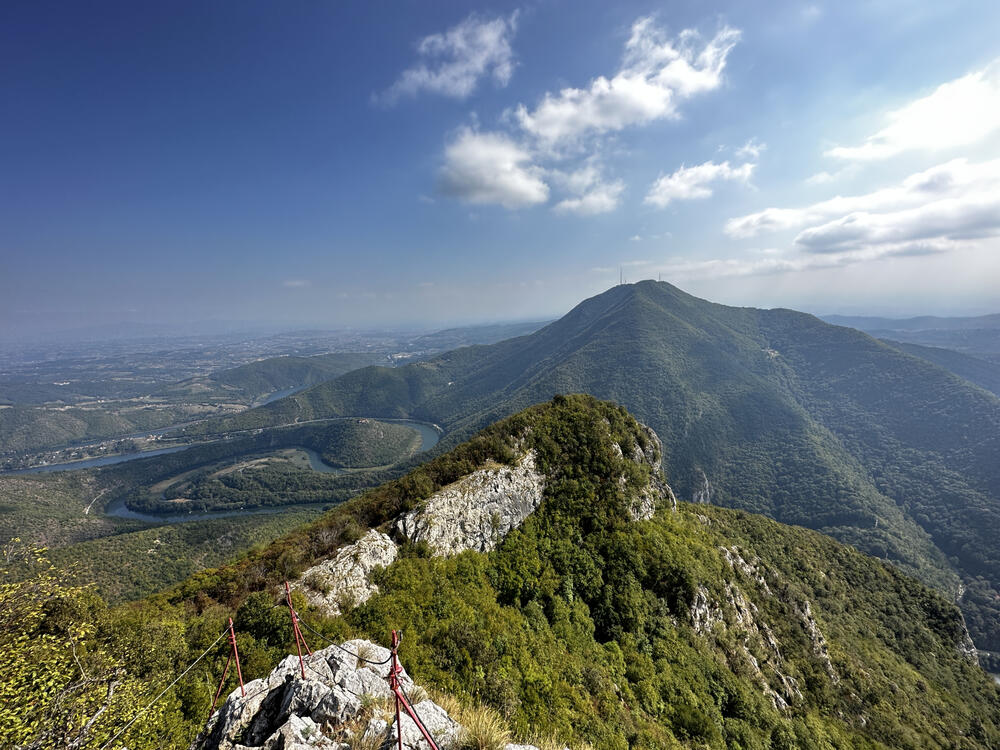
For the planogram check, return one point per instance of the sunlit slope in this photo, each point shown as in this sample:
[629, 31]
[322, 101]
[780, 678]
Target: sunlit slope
[696, 627]
[770, 410]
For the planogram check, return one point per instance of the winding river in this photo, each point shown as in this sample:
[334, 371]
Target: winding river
[92, 463]
[429, 436]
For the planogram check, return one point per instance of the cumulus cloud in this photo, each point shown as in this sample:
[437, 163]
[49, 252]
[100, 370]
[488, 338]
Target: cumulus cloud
[952, 207]
[823, 177]
[957, 113]
[453, 62]
[656, 73]
[515, 168]
[491, 168]
[691, 183]
[773, 261]
[935, 226]
[591, 193]
[600, 199]
[956, 179]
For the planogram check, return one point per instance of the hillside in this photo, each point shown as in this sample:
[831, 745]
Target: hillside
[543, 577]
[982, 372]
[977, 337]
[772, 411]
[73, 419]
[254, 380]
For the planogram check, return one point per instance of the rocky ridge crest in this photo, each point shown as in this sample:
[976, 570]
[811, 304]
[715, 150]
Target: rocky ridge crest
[474, 513]
[343, 703]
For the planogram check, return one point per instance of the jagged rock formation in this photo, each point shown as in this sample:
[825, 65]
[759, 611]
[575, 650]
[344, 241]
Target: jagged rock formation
[820, 649]
[647, 500]
[344, 581]
[758, 646]
[474, 513]
[343, 703]
[478, 511]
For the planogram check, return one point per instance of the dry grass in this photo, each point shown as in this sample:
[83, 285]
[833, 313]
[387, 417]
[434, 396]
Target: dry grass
[484, 729]
[365, 650]
[448, 702]
[418, 694]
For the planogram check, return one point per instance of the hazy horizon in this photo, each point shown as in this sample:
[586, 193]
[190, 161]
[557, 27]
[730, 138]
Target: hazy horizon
[373, 166]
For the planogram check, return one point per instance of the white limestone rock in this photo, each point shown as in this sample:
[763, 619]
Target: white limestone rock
[343, 582]
[441, 726]
[477, 511]
[300, 733]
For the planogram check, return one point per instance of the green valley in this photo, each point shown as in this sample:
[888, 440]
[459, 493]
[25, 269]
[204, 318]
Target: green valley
[592, 622]
[772, 411]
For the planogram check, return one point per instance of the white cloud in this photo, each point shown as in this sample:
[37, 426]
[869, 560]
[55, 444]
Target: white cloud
[690, 183]
[932, 227]
[751, 150]
[949, 208]
[952, 207]
[514, 169]
[821, 178]
[591, 193]
[295, 283]
[453, 62]
[656, 73]
[954, 179]
[600, 199]
[825, 178]
[773, 261]
[491, 168]
[957, 113]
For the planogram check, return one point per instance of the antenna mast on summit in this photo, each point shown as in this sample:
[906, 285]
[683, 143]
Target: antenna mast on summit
[621, 277]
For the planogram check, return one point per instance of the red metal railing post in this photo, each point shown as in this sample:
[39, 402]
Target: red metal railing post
[233, 654]
[394, 671]
[221, 683]
[299, 640]
[236, 656]
[394, 686]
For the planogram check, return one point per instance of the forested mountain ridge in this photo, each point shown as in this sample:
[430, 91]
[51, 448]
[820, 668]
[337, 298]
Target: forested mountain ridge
[773, 411]
[982, 372]
[978, 336]
[599, 617]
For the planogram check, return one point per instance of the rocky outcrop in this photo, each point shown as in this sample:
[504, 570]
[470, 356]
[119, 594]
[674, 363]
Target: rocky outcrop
[644, 503]
[734, 556]
[474, 513]
[819, 647]
[344, 581]
[477, 511]
[704, 493]
[344, 702]
[705, 613]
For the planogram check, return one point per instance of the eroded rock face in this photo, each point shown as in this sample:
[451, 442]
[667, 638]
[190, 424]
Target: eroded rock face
[343, 702]
[477, 511]
[804, 611]
[474, 513]
[344, 581]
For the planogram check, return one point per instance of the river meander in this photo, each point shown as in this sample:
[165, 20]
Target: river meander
[429, 436]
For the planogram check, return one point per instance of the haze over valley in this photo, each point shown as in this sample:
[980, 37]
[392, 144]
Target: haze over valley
[637, 363]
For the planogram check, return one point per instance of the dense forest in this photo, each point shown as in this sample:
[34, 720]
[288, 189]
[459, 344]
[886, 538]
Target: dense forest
[771, 411]
[582, 625]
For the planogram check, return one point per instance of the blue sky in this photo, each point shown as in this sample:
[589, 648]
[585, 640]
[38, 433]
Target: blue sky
[333, 163]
